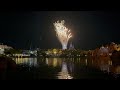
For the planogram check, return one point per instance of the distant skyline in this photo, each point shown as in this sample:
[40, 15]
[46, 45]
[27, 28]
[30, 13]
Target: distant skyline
[90, 29]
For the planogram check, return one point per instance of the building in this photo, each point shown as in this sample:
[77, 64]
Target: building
[103, 51]
[3, 47]
[118, 49]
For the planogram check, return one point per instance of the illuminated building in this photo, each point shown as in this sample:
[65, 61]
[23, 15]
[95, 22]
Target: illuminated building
[3, 47]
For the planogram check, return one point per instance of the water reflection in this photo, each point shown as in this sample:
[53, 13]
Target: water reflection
[54, 62]
[86, 61]
[77, 68]
[105, 64]
[26, 61]
[64, 74]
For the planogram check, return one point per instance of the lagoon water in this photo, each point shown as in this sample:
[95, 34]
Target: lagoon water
[65, 68]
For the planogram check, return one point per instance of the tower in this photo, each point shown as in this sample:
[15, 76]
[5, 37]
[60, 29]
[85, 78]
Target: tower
[71, 46]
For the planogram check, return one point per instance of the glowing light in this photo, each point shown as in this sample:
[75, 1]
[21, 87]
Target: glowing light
[62, 33]
[54, 51]
[55, 62]
[64, 72]
[46, 60]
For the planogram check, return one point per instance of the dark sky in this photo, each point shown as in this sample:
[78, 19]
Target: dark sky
[90, 29]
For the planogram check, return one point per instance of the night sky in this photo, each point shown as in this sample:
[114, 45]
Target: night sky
[34, 29]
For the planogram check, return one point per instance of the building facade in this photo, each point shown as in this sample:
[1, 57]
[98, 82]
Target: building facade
[3, 47]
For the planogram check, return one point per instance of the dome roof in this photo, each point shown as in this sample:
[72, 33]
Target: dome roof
[103, 50]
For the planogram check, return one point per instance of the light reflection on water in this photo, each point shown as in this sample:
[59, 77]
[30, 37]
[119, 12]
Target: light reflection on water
[70, 68]
[64, 74]
[26, 61]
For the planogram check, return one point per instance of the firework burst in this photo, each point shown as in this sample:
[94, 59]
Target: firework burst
[62, 33]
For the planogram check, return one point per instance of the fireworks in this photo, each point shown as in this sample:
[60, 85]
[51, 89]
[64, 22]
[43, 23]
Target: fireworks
[62, 33]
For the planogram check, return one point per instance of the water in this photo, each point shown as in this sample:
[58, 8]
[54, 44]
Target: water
[66, 68]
